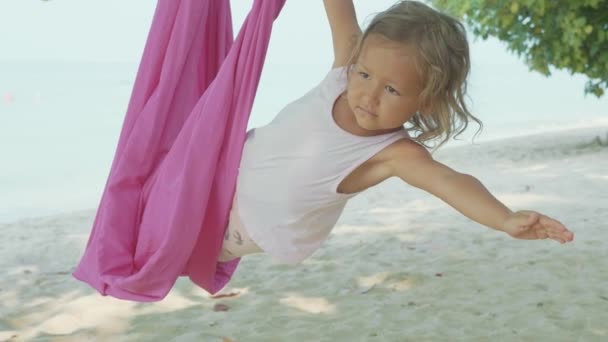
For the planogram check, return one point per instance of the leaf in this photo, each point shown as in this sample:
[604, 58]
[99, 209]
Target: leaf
[514, 7]
[546, 34]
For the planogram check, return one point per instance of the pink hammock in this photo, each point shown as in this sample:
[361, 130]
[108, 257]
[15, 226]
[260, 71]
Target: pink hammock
[166, 202]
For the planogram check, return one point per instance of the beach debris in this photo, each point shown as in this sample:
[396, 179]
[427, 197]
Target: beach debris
[226, 339]
[226, 295]
[411, 303]
[543, 287]
[604, 297]
[366, 290]
[56, 273]
[539, 304]
[597, 141]
[220, 307]
[438, 274]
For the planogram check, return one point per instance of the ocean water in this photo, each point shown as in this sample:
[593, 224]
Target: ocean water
[60, 122]
[59, 125]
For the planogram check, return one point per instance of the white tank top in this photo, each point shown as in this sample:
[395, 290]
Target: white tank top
[291, 168]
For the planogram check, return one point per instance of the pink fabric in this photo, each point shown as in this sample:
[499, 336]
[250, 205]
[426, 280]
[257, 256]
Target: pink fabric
[167, 199]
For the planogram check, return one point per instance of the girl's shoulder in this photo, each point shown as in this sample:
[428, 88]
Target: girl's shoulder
[343, 69]
[337, 75]
[405, 149]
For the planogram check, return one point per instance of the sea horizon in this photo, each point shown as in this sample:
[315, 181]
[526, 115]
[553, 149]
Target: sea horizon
[60, 122]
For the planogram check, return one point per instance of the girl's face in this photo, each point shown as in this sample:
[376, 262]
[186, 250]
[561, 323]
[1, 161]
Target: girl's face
[384, 85]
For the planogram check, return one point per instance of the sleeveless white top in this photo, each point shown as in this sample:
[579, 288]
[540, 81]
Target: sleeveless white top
[291, 168]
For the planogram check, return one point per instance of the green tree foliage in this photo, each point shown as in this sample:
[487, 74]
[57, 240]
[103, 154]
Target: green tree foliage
[560, 34]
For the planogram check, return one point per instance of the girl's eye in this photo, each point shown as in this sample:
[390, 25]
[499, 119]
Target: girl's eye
[392, 90]
[363, 74]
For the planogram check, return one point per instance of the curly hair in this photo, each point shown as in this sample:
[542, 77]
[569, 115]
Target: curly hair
[443, 61]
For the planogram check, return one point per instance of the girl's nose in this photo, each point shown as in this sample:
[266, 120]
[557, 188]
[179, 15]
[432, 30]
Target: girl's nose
[372, 95]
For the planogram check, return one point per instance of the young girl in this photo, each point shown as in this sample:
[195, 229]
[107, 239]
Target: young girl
[347, 134]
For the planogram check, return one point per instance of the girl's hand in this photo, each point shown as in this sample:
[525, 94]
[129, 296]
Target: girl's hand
[530, 225]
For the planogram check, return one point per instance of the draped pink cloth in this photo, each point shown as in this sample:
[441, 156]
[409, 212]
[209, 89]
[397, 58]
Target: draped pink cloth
[166, 202]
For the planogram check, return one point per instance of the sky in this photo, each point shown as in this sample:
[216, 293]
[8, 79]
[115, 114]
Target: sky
[116, 30]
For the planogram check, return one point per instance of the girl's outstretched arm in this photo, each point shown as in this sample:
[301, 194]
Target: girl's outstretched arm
[345, 30]
[414, 165]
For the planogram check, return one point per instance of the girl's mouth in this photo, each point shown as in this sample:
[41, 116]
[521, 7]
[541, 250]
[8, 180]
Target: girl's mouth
[367, 111]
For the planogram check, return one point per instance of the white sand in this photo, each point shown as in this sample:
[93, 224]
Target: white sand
[400, 266]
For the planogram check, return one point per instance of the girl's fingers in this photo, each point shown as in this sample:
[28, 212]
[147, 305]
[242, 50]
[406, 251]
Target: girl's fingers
[560, 233]
[539, 226]
[544, 231]
[545, 220]
[553, 225]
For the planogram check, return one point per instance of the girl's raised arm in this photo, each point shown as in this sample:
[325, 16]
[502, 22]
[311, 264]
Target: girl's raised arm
[345, 29]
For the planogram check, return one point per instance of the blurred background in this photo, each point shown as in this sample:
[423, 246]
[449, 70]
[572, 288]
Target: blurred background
[67, 68]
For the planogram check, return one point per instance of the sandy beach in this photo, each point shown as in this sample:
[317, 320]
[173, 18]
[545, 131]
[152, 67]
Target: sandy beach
[400, 266]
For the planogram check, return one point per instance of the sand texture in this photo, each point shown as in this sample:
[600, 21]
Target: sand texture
[400, 266]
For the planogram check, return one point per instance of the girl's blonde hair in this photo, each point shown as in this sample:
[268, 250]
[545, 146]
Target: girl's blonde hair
[443, 62]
